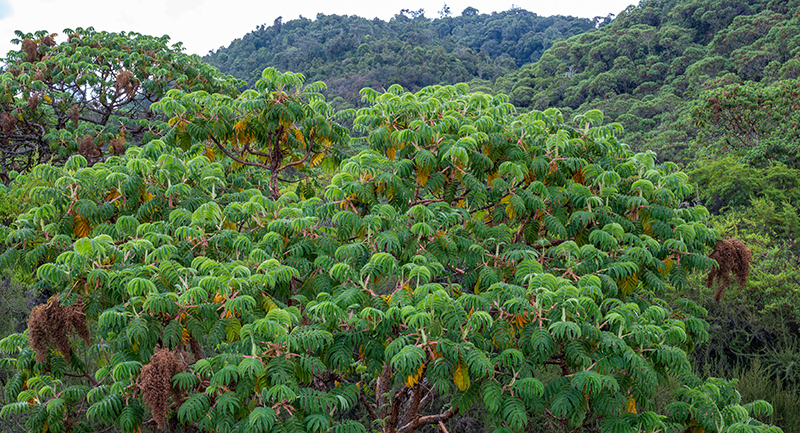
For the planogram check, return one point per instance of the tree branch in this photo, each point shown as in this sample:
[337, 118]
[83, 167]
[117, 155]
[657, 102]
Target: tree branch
[91, 379]
[381, 388]
[292, 164]
[396, 402]
[239, 160]
[368, 407]
[428, 420]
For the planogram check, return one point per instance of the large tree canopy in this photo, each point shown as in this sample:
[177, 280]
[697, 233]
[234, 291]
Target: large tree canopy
[469, 258]
[90, 93]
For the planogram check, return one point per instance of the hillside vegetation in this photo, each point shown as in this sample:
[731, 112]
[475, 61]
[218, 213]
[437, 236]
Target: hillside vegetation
[653, 61]
[350, 52]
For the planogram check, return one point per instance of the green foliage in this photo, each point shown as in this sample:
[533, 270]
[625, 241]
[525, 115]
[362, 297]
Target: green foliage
[753, 331]
[714, 406]
[727, 183]
[461, 256]
[754, 382]
[281, 125]
[759, 121]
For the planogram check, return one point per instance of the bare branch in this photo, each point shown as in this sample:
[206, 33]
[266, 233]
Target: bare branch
[428, 420]
[233, 157]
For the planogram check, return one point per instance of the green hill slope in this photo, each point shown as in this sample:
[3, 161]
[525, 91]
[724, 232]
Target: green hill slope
[647, 66]
[350, 52]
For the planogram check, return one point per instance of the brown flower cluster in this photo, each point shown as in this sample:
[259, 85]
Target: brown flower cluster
[196, 350]
[733, 256]
[31, 50]
[125, 82]
[49, 323]
[49, 41]
[8, 122]
[33, 103]
[87, 147]
[117, 146]
[156, 381]
[74, 114]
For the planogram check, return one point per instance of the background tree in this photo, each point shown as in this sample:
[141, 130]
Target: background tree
[89, 94]
[675, 51]
[759, 122]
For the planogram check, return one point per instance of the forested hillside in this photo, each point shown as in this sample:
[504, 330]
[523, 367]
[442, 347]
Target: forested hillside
[350, 52]
[649, 66]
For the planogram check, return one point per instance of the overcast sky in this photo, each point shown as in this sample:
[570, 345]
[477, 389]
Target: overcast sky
[204, 25]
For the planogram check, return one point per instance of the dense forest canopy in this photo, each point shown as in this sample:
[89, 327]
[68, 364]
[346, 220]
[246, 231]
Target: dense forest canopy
[647, 67]
[350, 52]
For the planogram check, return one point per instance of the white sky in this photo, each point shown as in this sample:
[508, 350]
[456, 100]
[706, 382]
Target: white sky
[203, 25]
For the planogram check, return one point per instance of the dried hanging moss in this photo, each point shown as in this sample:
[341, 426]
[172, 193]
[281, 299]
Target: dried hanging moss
[156, 381]
[48, 325]
[733, 257]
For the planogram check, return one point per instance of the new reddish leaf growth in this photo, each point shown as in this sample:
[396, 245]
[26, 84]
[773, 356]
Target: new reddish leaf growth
[733, 256]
